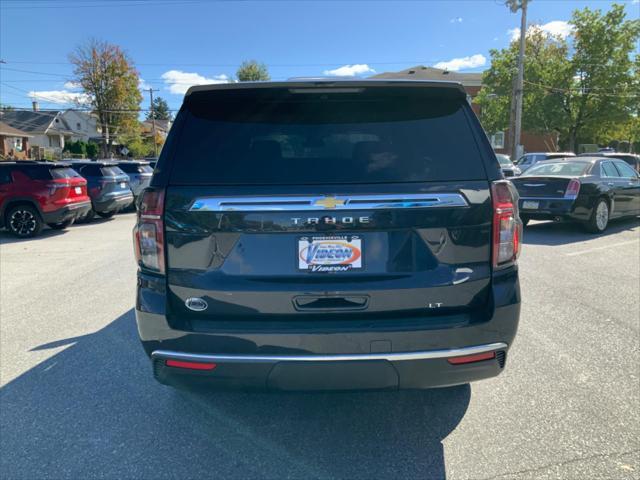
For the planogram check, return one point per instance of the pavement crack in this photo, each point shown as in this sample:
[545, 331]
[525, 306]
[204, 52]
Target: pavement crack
[558, 464]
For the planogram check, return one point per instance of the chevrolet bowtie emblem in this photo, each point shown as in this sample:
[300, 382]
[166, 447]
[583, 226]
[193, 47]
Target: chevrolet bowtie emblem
[329, 202]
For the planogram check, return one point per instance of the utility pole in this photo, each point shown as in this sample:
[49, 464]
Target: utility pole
[516, 5]
[153, 121]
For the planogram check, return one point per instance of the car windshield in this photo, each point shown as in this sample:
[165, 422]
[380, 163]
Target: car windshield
[560, 169]
[504, 160]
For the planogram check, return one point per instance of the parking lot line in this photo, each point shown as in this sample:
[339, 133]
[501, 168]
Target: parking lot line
[604, 247]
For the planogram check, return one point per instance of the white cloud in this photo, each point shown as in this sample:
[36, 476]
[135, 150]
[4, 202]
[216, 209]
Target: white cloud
[456, 20]
[179, 81]
[142, 85]
[71, 85]
[61, 96]
[555, 27]
[455, 64]
[350, 70]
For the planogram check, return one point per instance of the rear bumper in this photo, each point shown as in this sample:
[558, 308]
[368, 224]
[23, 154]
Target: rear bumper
[380, 371]
[71, 211]
[113, 204]
[329, 354]
[551, 208]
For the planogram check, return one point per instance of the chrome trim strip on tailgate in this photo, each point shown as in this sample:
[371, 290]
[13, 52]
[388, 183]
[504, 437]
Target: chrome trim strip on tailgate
[329, 202]
[391, 357]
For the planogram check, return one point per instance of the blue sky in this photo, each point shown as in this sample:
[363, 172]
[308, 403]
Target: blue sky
[177, 43]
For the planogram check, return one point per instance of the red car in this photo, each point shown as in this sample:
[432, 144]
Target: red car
[33, 194]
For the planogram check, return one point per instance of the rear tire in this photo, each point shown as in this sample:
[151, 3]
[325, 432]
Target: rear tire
[24, 221]
[106, 214]
[61, 225]
[599, 219]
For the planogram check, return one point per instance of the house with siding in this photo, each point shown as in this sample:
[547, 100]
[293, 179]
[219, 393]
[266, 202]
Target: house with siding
[48, 130]
[14, 143]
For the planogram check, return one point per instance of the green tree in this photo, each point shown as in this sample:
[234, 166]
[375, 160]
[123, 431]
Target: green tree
[107, 75]
[161, 110]
[92, 150]
[252, 71]
[577, 91]
[546, 64]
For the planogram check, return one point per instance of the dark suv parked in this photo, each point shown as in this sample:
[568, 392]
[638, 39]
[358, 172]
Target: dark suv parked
[108, 187]
[33, 194]
[139, 173]
[327, 235]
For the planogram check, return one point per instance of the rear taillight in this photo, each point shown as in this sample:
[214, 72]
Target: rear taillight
[148, 234]
[57, 185]
[572, 189]
[507, 227]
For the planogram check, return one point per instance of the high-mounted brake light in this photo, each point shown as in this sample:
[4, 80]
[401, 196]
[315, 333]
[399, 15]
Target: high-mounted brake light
[572, 189]
[507, 226]
[148, 234]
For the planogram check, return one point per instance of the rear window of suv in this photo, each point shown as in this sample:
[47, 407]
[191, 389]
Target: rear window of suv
[111, 171]
[64, 173]
[279, 136]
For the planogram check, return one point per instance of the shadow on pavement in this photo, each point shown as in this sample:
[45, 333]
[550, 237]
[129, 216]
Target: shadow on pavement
[6, 237]
[553, 233]
[93, 410]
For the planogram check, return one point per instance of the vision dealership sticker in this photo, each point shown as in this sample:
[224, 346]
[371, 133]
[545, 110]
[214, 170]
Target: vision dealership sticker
[330, 254]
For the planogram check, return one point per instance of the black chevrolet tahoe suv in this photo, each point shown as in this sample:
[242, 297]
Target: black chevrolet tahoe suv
[327, 235]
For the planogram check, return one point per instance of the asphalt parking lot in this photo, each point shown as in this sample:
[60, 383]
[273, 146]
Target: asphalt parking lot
[77, 399]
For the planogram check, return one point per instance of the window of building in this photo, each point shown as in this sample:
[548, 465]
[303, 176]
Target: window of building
[497, 140]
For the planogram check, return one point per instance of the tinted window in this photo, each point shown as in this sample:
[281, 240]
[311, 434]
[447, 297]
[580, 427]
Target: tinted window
[625, 170]
[608, 170]
[111, 171]
[64, 173]
[504, 160]
[5, 175]
[564, 168]
[235, 137]
[128, 167]
[89, 170]
[36, 173]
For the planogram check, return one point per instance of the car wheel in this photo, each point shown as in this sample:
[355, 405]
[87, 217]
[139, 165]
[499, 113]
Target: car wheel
[24, 221]
[106, 214]
[61, 225]
[599, 217]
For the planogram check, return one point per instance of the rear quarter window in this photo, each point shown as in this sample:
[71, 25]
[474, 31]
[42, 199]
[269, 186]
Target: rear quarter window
[273, 137]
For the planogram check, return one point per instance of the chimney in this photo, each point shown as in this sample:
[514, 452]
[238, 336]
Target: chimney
[36, 107]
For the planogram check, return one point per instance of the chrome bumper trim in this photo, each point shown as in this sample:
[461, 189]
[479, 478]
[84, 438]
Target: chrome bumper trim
[391, 357]
[328, 202]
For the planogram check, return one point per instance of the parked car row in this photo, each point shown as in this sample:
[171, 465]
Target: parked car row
[57, 194]
[528, 160]
[588, 189]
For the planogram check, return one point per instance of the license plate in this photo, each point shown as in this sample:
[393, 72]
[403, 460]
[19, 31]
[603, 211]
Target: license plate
[123, 184]
[530, 205]
[340, 253]
[78, 190]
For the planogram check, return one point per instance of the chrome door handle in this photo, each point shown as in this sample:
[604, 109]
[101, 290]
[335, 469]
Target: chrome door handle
[611, 184]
